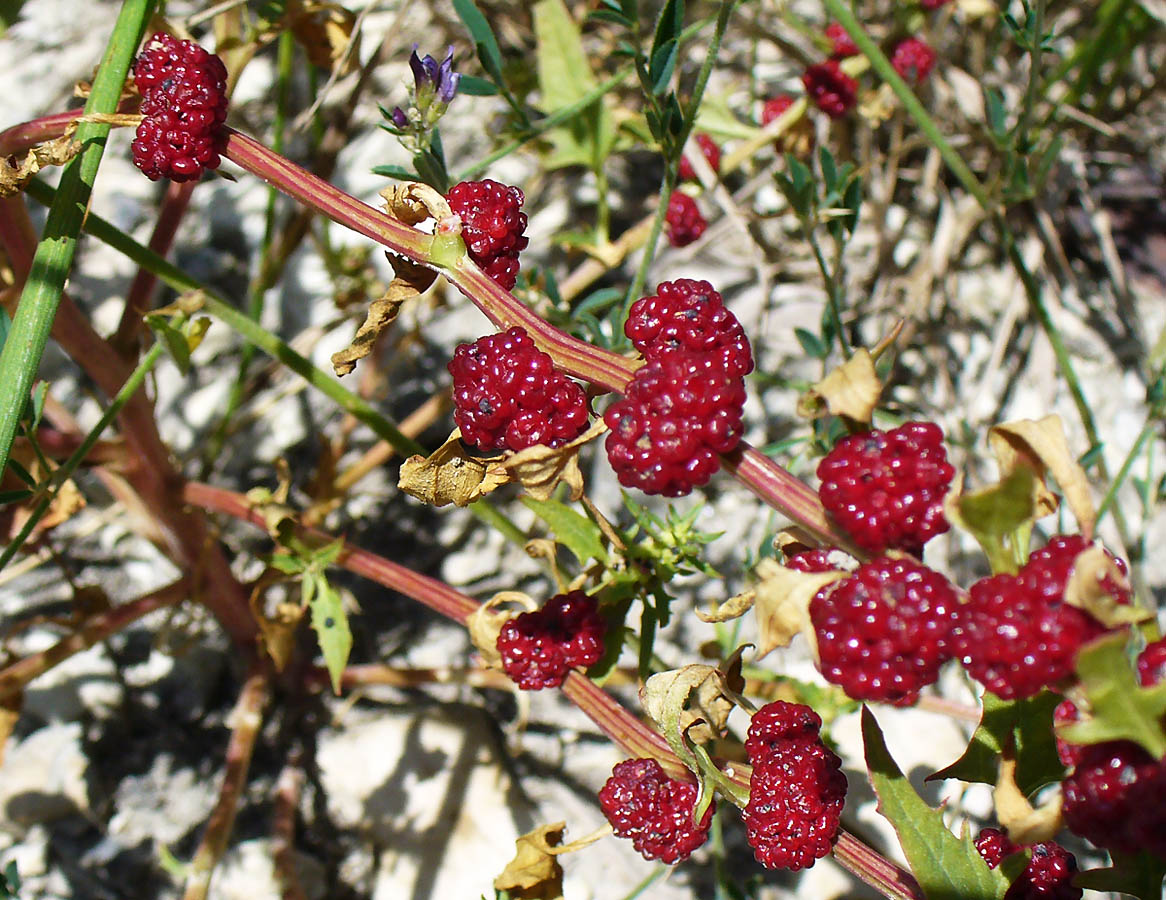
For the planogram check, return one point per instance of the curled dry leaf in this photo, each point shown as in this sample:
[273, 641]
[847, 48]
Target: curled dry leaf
[325, 31]
[541, 469]
[450, 475]
[1041, 445]
[1086, 590]
[17, 169]
[1024, 823]
[733, 608]
[277, 515]
[410, 281]
[877, 106]
[851, 390]
[413, 202]
[695, 699]
[782, 603]
[535, 873]
[485, 624]
[277, 631]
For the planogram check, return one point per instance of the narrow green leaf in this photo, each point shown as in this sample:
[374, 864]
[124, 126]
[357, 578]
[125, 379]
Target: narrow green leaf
[7, 497]
[994, 108]
[174, 340]
[1119, 707]
[473, 86]
[669, 25]
[394, 172]
[946, 867]
[288, 564]
[483, 35]
[22, 473]
[330, 623]
[662, 65]
[572, 529]
[607, 15]
[21, 355]
[811, 343]
[829, 168]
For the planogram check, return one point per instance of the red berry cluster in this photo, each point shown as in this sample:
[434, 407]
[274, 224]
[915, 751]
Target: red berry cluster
[683, 219]
[832, 90]
[1107, 792]
[655, 811]
[689, 316]
[184, 105]
[886, 489]
[913, 60]
[797, 789]
[709, 150]
[539, 648]
[884, 632]
[841, 44]
[684, 407]
[1048, 875]
[1016, 634]
[492, 226]
[508, 395]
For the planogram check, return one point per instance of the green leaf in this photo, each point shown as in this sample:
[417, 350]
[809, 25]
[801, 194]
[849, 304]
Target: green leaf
[662, 65]
[329, 553]
[811, 343]
[7, 497]
[565, 78]
[669, 25]
[473, 86]
[608, 15]
[173, 339]
[994, 108]
[1027, 726]
[483, 36]
[288, 564]
[1119, 707]
[1138, 875]
[330, 623]
[395, 172]
[572, 529]
[946, 867]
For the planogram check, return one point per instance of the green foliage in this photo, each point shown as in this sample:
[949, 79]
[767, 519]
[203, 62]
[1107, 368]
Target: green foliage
[329, 618]
[946, 867]
[573, 530]
[1119, 707]
[9, 882]
[1138, 875]
[1024, 725]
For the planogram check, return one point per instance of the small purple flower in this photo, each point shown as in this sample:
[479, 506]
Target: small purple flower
[430, 75]
[399, 117]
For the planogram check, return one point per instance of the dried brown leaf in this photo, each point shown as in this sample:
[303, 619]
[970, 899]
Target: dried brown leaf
[325, 31]
[276, 632]
[1041, 445]
[450, 475]
[410, 281]
[485, 624]
[733, 608]
[11, 704]
[1086, 590]
[541, 469]
[413, 202]
[1024, 823]
[782, 603]
[851, 390]
[16, 170]
[535, 873]
[696, 698]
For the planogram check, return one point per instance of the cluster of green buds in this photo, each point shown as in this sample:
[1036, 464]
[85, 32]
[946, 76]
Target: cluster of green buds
[434, 87]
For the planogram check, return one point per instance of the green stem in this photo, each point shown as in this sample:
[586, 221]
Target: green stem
[22, 352]
[841, 12]
[265, 276]
[669, 183]
[61, 475]
[833, 289]
[1127, 464]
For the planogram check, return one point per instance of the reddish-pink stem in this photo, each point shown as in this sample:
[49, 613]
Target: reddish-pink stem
[632, 735]
[149, 466]
[174, 207]
[92, 631]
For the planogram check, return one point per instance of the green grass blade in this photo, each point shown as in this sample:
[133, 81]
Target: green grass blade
[21, 354]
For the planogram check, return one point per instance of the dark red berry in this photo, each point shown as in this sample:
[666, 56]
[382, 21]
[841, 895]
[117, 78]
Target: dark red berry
[655, 811]
[832, 90]
[539, 648]
[684, 222]
[842, 45]
[1152, 663]
[508, 395]
[687, 316]
[886, 489]
[797, 789]
[1065, 713]
[933, 4]
[994, 845]
[709, 150]
[184, 105]
[492, 226]
[811, 561]
[799, 136]
[1047, 876]
[913, 60]
[678, 414]
[1113, 797]
[1016, 634]
[884, 632]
